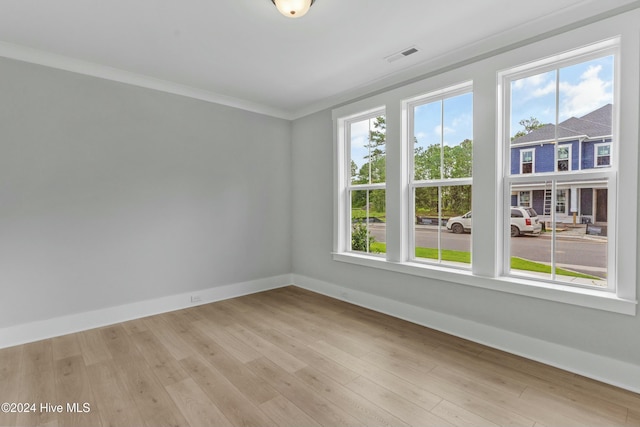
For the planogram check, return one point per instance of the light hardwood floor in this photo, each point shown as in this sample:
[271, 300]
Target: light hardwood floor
[289, 357]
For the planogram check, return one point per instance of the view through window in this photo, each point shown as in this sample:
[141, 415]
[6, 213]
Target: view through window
[442, 134]
[367, 160]
[561, 136]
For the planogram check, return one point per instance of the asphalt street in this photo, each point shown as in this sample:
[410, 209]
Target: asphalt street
[583, 255]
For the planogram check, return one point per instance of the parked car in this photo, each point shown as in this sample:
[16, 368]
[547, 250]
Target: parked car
[460, 224]
[524, 220]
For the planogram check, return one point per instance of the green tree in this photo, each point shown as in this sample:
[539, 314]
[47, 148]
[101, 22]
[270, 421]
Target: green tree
[436, 162]
[458, 160]
[427, 162]
[529, 126]
[378, 136]
[443, 162]
[374, 170]
[377, 200]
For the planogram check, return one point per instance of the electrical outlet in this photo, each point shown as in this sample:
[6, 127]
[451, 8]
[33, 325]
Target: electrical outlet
[196, 298]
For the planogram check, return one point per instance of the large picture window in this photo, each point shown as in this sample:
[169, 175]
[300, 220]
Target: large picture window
[441, 139]
[565, 109]
[504, 174]
[367, 166]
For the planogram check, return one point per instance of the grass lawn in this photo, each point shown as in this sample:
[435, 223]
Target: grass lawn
[465, 257]
[525, 264]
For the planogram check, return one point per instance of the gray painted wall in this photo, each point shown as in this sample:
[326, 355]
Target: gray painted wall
[112, 194]
[593, 331]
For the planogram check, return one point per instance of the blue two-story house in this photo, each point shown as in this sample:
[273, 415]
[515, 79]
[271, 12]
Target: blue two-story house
[577, 144]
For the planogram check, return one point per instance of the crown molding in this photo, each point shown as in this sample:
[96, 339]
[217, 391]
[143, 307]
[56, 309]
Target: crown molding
[562, 21]
[62, 62]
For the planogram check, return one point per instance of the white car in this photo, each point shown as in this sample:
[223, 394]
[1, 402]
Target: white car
[524, 220]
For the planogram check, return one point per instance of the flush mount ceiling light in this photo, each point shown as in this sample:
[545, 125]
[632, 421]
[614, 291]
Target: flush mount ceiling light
[293, 8]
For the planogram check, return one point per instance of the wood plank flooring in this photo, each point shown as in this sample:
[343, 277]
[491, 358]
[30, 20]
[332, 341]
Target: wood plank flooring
[290, 357]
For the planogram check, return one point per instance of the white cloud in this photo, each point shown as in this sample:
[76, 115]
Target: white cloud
[545, 90]
[588, 94]
[531, 82]
[359, 134]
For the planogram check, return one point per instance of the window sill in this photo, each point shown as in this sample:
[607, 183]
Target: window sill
[591, 298]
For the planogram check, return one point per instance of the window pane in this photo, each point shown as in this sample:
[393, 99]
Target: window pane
[443, 148]
[368, 221]
[574, 137]
[368, 149]
[585, 88]
[443, 224]
[561, 201]
[574, 238]
[603, 155]
[563, 153]
[456, 203]
[443, 132]
[533, 105]
[526, 160]
[530, 248]
[428, 223]
[427, 141]
[564, 158]
[457, 131]
[581, 234]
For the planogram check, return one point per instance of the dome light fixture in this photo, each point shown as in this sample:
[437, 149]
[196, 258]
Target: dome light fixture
[293, 8]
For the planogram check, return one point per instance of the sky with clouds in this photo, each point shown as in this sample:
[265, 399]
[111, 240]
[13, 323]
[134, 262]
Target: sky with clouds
[360, 139]
[449, 121]
[580, 89]
[583, 88]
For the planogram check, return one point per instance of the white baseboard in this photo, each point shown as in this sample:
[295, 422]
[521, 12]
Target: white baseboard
[39, 330]
[601, 368]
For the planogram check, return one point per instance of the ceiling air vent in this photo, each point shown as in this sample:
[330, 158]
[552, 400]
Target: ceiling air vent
[403, 54]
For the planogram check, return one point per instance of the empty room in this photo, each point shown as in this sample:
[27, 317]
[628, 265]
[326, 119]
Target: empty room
[319, 213]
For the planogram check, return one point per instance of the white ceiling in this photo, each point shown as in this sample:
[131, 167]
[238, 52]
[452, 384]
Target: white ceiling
[244, 53]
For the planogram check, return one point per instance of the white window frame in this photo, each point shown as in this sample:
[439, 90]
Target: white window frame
[349, 187]
[487, 270]
[564, 192]
[533, 160]
[572, 57]
[569, 148]
[595, 153]
[409, 106]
